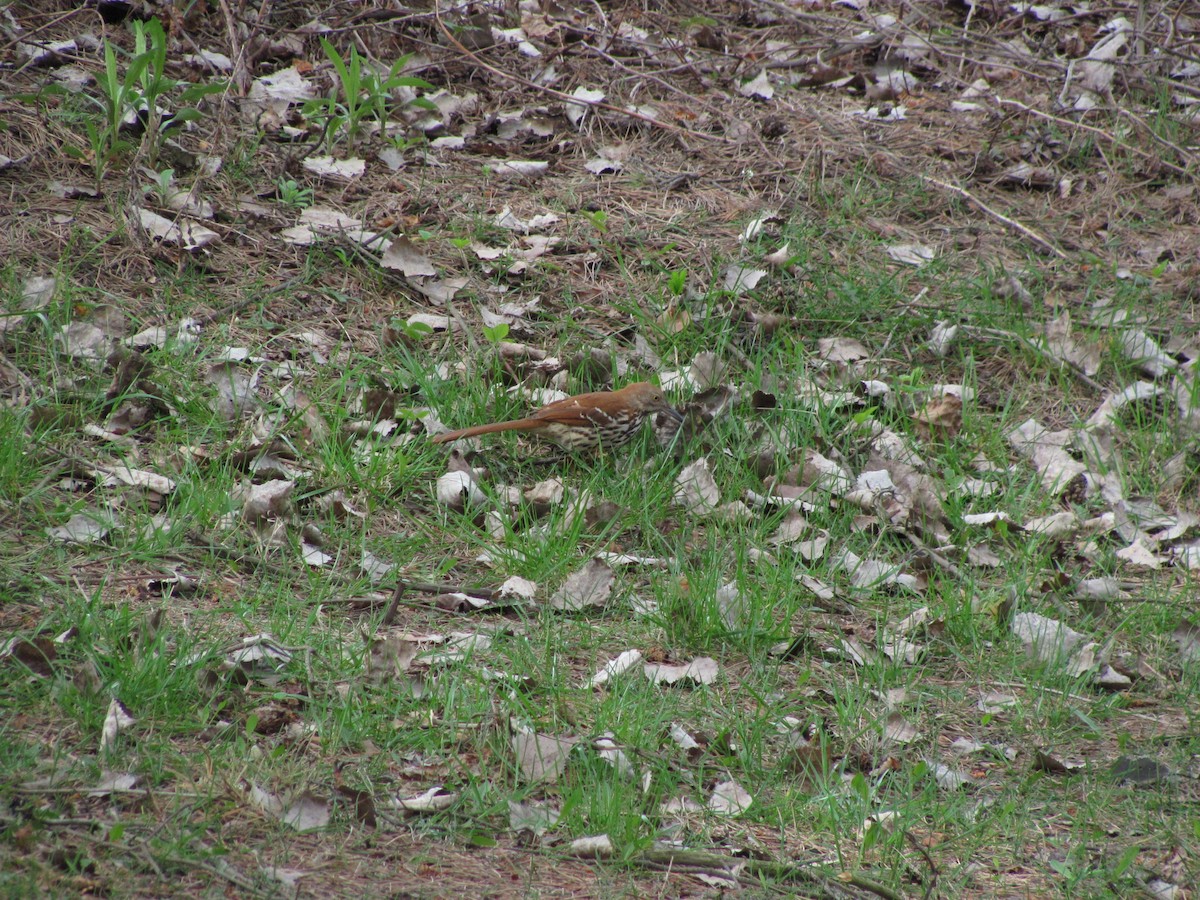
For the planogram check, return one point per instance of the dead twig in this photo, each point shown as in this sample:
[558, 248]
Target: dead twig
[933, 869]
[1092, 129]
[1034, 236]
[924, 550]
[728, 866]
[250, 298]
[389, 616]
[1045, 353]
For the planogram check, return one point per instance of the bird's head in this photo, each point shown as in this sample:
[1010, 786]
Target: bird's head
[649, 398]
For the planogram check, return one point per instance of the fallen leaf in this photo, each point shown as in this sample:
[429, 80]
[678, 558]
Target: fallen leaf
[541, 757]
[729, 799]
[402, 255]
[589, 586]
[702, 670]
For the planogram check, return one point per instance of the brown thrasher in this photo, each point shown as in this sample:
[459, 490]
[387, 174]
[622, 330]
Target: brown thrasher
[584, 422]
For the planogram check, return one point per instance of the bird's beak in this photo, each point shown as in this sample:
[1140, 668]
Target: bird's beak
[678, 416]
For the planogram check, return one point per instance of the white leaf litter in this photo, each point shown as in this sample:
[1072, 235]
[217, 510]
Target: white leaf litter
[695, 488]
[1095, 72]
[607, 749]
[517, 168]
[578, 108]
[1139, 555]
[603, 165]
[702, 670]
[1187, 639]
[941, 338]
[842, 350]
[286, 877]
[439, 291]
[731, 606]
[885, 820]
[516, 36]
[37, 292]
[729, 799]
[870, 574]
[304, 812]
[739, 279]
[683, 740]
[535, 816]
[113, 782]
[271, 95]
[457, 490]
[541, 757]
[962, 746]
[621, 560]
[152, 481]
[588, 586]
[508, 220]
[180, 232]
[403, 256]
[616, 666]
[157, 337]
[84, 341]
[435, 799]
[1112, 405]
[435, 322]
[898, 730]
[1050, 641]
[313, 555]
[912, 254]
[1047, 451]
[318, 220]
[947, 779]
[1060, 342]
[992, 702]
[83, 528]
[882, 113]
[517, 588]
[593, 847]
[258, 652]
[1144, 352]
[329, 167]
[270, 500]
[779, 258]
[210, 59]
[116, 720]
[757, 88]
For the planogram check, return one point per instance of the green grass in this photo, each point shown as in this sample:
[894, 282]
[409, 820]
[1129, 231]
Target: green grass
[205, 730]
[459, 727]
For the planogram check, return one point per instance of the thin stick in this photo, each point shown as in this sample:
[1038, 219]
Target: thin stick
[389, 615]
[999, 216]
[684, 860]
[1040, 351]
[1102, 133]
[250, 298]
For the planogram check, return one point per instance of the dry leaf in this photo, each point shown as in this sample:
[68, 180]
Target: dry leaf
[589, 586]
[729, 799]
[702, 670]
[541, 757]
[403, 256]
[616, 666]
[116, 720]
[696, 490]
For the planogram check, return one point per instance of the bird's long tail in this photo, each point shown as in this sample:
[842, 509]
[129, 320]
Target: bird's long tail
[491, 428]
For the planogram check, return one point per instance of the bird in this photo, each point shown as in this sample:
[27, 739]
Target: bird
[601, 419]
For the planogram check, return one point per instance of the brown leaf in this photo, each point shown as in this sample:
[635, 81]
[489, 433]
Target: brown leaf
[589, 586]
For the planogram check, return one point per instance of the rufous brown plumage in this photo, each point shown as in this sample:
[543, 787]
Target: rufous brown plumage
[601, 419]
